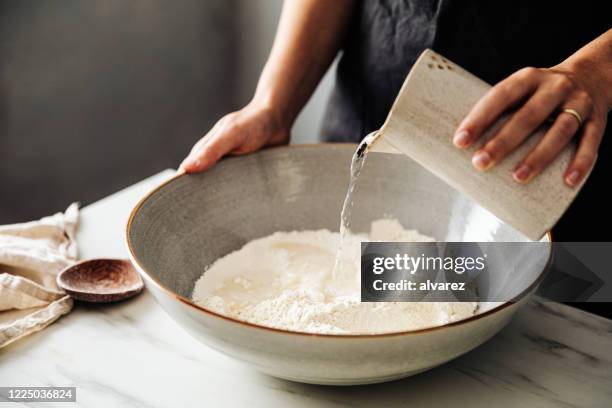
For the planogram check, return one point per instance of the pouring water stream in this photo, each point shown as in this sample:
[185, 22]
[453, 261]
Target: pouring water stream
[357, 162]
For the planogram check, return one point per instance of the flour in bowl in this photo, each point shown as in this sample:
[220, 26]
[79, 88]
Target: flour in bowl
[285, 281]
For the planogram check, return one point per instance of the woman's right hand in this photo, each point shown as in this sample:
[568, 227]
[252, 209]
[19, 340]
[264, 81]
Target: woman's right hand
[301, 54]
[244, 131]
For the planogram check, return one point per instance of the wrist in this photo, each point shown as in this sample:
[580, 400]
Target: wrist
[589, 72]
[278, 112]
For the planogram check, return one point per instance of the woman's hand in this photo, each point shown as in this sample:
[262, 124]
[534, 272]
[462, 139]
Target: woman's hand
[301, 54]
[240, 132]
[535, 95]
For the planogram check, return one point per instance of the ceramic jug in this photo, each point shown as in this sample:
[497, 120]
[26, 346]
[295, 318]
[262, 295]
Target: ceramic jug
[436, 95]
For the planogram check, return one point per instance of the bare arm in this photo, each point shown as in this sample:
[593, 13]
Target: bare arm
[583, 83]
[309, 36]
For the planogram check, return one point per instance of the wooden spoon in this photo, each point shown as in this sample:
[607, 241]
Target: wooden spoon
[100, 280]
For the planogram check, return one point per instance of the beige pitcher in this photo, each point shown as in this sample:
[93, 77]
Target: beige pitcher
[435, 97]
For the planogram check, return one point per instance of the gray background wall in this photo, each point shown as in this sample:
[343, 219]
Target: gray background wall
[96, 95]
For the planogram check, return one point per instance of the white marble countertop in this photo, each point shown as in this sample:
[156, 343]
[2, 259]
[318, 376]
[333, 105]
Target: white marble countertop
[132, 354]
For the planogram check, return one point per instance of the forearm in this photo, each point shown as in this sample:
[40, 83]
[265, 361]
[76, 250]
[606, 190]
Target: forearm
[309, 35]
[594, 61]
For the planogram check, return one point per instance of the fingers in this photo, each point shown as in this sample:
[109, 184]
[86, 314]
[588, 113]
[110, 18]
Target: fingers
[522, 124]
[193, 163]
[240, 132]
[554, 141]
[540, 92]
[222, 139]
[496, 101]
[586, 154]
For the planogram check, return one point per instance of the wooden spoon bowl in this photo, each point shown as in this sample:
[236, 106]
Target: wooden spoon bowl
[101, 280]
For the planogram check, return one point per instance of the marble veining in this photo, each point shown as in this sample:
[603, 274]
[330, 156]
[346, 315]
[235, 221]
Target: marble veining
[132, 354]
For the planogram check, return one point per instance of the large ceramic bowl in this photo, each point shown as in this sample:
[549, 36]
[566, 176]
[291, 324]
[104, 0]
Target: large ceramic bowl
[191, 220]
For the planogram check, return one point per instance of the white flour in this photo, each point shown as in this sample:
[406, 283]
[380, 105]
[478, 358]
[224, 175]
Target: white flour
[285, 281]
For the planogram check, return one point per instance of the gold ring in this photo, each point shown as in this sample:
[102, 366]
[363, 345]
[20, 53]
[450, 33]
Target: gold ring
[575, 114]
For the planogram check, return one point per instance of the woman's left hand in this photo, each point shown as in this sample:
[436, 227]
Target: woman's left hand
[536, 94]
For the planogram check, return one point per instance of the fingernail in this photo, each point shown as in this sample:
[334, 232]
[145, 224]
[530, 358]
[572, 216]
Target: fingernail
[481, 160]
[521, 173]
[573, 178]
[461, 138]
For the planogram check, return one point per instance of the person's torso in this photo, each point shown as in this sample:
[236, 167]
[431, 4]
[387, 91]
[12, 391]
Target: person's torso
[491, 39]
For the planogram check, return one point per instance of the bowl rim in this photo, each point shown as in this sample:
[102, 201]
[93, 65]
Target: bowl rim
[169, 292]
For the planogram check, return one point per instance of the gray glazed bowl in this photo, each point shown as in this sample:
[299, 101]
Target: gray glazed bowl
[184, 225]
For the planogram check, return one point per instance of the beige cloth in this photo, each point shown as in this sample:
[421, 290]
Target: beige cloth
[31, 256]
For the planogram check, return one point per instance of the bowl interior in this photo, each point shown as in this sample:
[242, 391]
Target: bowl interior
[189, 222]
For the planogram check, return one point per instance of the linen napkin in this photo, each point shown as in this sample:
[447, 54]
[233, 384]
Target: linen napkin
[31, 256]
